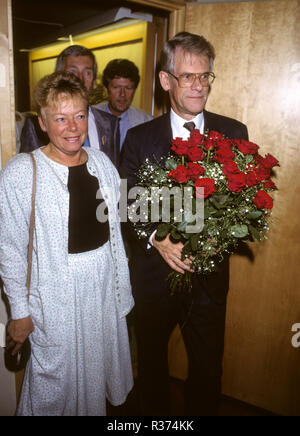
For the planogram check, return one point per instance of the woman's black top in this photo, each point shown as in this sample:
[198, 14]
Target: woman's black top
[85, 231]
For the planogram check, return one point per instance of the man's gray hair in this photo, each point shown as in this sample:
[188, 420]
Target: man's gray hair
[188, 43]
[76, 50]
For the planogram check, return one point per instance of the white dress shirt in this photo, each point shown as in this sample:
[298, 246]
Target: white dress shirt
[177, 125]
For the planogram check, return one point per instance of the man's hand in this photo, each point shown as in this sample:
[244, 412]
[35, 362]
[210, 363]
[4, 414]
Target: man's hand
[17, 332]
[171, 253]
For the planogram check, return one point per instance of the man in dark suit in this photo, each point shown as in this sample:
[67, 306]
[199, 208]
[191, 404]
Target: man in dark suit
[104, 133]
[186, 74]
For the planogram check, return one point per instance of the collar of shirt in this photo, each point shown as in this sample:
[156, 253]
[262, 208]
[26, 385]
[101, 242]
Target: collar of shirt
[177, 125]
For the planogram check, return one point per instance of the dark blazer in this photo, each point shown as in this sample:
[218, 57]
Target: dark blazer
[32, 136]
[149, 271]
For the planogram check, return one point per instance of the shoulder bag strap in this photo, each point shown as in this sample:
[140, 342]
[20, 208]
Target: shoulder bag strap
[31, 226]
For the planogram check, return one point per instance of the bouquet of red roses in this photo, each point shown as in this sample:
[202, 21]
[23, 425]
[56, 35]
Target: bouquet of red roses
[232, 180]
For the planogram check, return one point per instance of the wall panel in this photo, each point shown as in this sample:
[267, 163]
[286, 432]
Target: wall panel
[7, 107]
[258, 81]
[7, 150]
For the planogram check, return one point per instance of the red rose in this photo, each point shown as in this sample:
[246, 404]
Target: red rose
[269, 184]
[246, 147]
[230, 167]
[180, 175]
[269, 161]
[215, 135]
[258, 158]
[209, 144]
[207, 184]
[196, 137]
[251, 179]
[225, 143]
[195, 170]
[195, 154]
[179, 146]
[237, 182]
[263, 200]
[222, 156]
[262, 173]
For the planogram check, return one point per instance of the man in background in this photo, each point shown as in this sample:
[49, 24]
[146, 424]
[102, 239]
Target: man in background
[103, 130]
[121, 78]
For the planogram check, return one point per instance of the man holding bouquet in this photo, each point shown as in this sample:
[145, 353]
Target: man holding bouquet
[186, 74]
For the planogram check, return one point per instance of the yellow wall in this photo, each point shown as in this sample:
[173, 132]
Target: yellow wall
[105, 46]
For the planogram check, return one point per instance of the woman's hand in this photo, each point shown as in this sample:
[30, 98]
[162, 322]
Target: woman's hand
[171, 253]
[17, 332]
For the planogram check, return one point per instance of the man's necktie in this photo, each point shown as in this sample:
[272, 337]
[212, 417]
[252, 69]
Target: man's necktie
[190, 125]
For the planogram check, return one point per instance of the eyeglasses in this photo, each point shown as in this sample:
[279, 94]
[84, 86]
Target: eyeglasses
[188, 79]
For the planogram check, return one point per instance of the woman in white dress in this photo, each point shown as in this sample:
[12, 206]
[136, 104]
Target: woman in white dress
[80, 291]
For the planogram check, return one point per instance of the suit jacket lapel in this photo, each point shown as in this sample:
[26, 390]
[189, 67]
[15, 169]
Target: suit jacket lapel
[207, 121]
[107, 143]
[163, 140]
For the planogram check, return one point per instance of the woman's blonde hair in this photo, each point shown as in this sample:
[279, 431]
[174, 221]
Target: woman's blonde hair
[51, 89]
